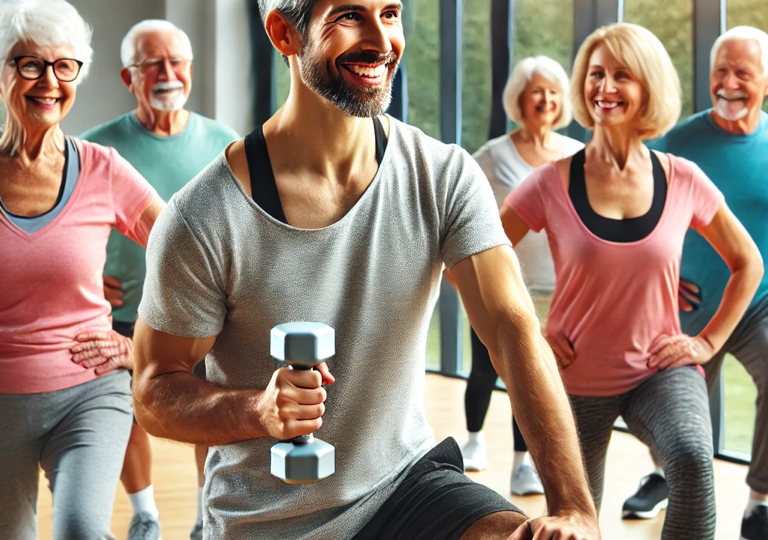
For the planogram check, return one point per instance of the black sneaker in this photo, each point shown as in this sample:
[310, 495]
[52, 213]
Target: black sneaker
[755, 525]
[650, 499]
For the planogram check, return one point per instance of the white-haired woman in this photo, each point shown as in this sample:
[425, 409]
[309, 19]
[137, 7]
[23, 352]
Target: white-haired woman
[533, 99]
[616, 215]
[65, 401]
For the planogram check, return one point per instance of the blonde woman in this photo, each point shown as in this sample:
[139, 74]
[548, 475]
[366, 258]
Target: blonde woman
[616, 215]
[533, 99]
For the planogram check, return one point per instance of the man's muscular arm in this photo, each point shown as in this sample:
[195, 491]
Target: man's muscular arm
[502, 314]
[170, 402]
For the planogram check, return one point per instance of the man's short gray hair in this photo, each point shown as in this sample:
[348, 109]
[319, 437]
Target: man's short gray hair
[521, 76]
[131, 39]
[297, 12]
[46, 23]
[742, 33]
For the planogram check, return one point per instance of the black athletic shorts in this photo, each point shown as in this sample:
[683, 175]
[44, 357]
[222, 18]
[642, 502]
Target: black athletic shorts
[435, 501]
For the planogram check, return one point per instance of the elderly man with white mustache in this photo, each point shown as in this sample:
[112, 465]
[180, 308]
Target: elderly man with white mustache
[730, 144]
[168, 145]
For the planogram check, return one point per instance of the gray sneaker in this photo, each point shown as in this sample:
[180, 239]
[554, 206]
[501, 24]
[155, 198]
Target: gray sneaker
[144, 526]
[525, 481]
[197, 532]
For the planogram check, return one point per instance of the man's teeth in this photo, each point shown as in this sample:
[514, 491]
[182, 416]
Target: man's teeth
[607, 104]
[372, 72]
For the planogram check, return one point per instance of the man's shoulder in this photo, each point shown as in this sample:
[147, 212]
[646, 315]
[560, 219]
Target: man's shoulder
[412, 142]
[210, 127]
[108, 131]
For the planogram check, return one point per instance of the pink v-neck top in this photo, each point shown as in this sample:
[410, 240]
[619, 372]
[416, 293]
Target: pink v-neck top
[614, 301]
[51, 281]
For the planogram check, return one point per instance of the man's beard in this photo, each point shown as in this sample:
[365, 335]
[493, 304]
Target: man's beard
[168, 101]
[366, 102]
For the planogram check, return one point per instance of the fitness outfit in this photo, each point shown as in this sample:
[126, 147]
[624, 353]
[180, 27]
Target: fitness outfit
[54, 413]
[219, 265]
[616, 296]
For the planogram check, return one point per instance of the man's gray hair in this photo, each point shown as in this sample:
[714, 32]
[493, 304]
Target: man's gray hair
[297, 12]
[131, 39]
[46, 23]
[742, 33]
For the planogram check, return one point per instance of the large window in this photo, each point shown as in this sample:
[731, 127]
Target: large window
[421, 19]
[476, 89]
[739, 402]
[674, 28]
[544, 27]
[749, 13]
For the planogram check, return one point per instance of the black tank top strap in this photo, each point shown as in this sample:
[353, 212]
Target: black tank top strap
[381, 139]
[263, 184]
[616, 230]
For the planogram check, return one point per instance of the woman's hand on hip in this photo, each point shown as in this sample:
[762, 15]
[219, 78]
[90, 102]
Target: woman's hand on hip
[104, 351]
[681, 350]
[562, 349]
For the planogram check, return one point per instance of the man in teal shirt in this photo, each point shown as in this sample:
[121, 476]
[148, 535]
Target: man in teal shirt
[730, 144]
[168, 145]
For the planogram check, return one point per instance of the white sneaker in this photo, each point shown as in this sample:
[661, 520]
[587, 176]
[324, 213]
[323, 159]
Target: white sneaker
[525, 481]
[475, 455]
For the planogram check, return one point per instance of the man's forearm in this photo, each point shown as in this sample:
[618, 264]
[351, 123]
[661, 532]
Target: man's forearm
[183, 408]
[541, 407]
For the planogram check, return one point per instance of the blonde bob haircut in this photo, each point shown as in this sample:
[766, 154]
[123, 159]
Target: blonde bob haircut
[647, 60]
[522, 75]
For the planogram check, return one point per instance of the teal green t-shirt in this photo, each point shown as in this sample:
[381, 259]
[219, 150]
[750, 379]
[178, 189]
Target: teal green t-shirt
[168, 163]
[738, 165]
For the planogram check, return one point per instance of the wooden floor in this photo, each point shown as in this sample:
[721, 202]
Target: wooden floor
[175, 477]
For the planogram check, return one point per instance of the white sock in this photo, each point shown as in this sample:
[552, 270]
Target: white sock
[476, 437]
[659, 471]
[520, 459]
[753, 503]
[199, 506]
[144, 501]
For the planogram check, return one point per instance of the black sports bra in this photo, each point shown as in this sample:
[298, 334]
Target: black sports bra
[616, 230]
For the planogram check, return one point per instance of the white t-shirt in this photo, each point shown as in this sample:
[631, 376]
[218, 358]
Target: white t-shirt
[506, 169]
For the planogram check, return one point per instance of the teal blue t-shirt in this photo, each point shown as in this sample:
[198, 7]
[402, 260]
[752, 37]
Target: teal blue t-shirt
[738, 165]
[168, 163]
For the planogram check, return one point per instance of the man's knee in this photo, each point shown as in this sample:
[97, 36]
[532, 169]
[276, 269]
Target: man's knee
[498, 525]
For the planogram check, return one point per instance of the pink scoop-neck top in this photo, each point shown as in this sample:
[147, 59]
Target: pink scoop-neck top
[51, 281]
[614, 301]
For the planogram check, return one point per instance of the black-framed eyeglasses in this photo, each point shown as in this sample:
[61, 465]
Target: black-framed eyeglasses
[33, 68]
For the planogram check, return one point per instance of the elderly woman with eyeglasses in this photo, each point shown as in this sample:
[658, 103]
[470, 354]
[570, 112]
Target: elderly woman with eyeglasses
[616, 215]
[65, 401]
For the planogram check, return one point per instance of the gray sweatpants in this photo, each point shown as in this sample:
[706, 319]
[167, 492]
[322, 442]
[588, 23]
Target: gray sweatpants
[749, 344]
[78, 436]
[669, 411]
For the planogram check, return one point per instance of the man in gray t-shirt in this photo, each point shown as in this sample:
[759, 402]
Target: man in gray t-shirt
[353, 236]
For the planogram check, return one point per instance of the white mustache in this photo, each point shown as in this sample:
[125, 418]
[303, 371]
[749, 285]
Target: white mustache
[167, 85]
[725, 94]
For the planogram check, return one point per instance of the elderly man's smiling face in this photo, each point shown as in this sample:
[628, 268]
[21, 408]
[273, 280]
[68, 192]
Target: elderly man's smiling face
[162, 77]
[737, 82]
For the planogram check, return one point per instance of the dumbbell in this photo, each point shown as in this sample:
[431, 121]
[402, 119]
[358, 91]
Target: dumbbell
[302, 345]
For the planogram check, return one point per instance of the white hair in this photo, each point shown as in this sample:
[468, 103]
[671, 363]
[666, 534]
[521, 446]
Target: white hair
[522, 75]
[128, 46]
[46, 23]
[742, 33]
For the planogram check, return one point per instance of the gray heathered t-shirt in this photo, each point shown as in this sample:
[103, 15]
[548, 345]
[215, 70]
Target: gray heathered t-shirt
[218, 265]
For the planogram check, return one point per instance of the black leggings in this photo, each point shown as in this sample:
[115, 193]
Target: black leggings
[481, 382]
